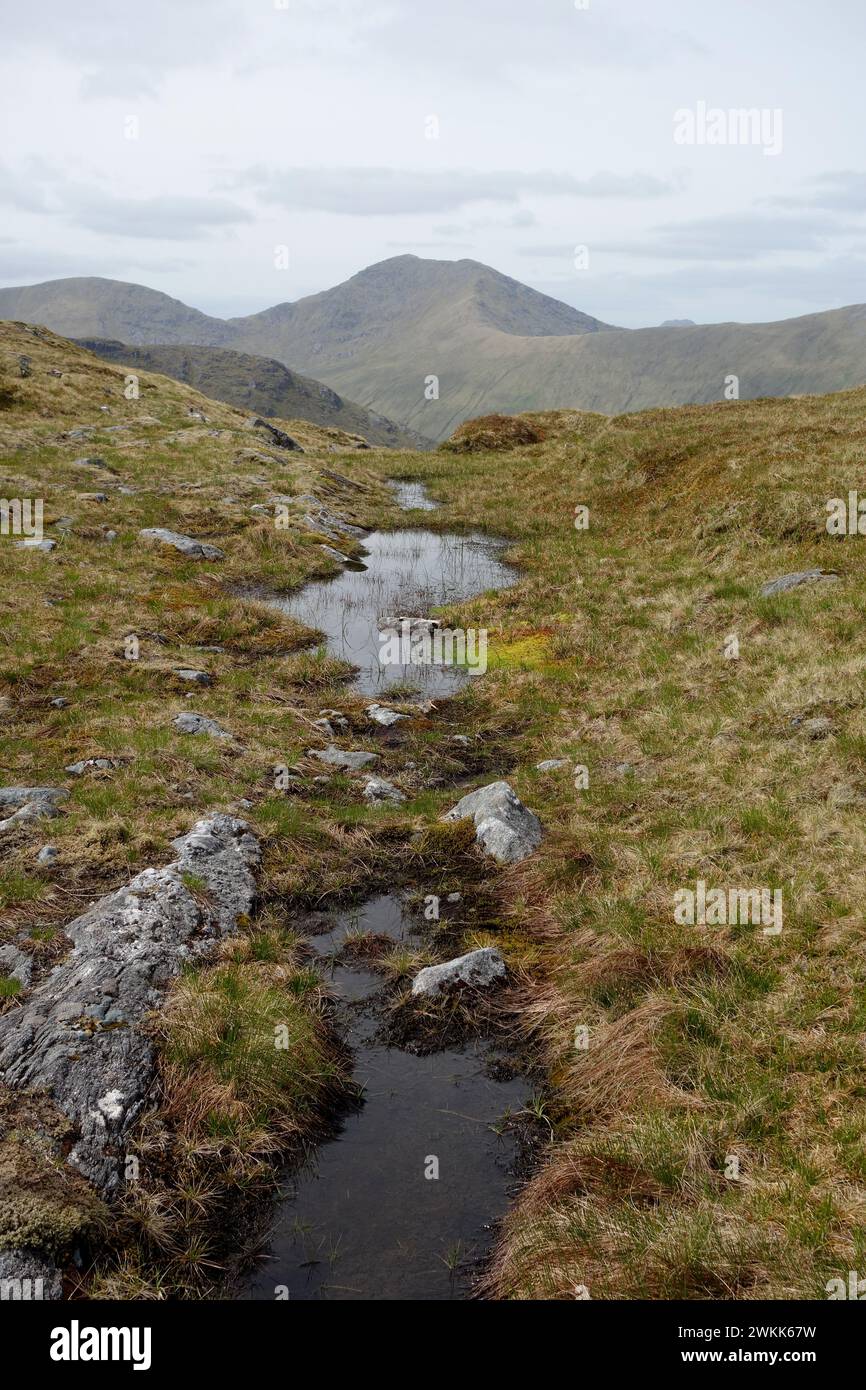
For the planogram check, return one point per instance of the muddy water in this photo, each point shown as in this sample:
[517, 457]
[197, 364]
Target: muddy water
[406, 572]
[362, 1220]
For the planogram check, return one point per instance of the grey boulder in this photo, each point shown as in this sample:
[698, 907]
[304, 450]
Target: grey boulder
[478, 969]
[380, 714]
[504, 828]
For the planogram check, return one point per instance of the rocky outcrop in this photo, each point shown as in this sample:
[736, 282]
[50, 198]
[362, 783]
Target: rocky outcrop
[77, 1039]
[504, 828]
[793, 581]
[275, 436]
[29, 803]
[477, 969]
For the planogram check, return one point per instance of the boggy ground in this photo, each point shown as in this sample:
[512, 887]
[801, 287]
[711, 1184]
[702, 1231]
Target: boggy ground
[708, 1122]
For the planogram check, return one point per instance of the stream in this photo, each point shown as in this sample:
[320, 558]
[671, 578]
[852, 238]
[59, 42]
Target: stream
[402, 1202]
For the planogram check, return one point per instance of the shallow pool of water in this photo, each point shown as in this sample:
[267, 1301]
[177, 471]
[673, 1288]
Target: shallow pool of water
[365, 1219]
[406, 572]
[412, 497]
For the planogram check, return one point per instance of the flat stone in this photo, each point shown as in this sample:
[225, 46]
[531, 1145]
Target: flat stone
[189, 723]
[380, 714]
[186, 673]
[552, 764]
[478, 969]
[353, 760]
[377, 789]
[793, 581]
[44, 546]
[187, 545]
[92, 765]
[506, 829]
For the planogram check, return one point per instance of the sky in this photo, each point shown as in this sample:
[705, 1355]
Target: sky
[240, 153]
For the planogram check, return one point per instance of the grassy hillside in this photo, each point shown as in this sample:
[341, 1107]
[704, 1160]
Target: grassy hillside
[707, 1141]
[260, 385]
[484, 369]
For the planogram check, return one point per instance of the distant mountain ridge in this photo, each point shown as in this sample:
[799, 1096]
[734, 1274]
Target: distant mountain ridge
[431, 343]
[258, 384]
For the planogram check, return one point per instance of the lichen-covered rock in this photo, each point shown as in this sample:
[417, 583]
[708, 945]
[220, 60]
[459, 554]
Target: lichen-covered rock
[504, 828]
[551, 764]
[187, 545]
[478, 969]
[78, 1039]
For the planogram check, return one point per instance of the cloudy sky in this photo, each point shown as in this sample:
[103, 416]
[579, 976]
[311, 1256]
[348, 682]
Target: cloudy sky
[180, 143]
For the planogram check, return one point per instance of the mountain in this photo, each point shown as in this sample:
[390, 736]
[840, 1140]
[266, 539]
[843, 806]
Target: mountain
[89, 307]
[677, 323]
[491, 343]
[260, 385]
